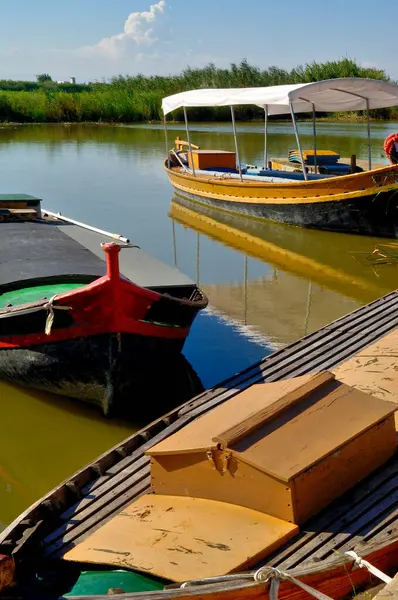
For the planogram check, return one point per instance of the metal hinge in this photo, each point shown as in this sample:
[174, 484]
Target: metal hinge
[219, 459]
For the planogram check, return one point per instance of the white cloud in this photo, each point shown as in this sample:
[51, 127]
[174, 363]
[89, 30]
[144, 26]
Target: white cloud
[143, 47]
[138, 30]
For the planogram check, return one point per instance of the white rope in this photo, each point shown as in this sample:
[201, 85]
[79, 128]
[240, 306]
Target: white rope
[364, 564]
[29, 310]
[275, 576]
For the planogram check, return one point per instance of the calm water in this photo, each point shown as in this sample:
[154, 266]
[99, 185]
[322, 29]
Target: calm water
[267, 286]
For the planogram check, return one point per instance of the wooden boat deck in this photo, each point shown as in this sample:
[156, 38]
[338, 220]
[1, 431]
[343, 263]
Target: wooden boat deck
[96, 493]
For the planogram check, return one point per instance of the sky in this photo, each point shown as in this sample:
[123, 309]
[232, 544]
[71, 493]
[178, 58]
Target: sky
[97, 39]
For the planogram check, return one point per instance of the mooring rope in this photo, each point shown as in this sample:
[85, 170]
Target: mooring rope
[274, 576]
[364, 564]
[49, 306]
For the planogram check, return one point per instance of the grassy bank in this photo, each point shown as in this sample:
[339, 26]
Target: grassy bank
[138, 98]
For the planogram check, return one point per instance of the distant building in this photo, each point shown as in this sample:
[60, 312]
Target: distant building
[71, 80]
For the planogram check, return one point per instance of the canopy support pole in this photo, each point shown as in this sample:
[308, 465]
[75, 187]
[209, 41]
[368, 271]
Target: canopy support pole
[298, 140]
[265, 136]
[314, 135]
[189, 140]
[236, 143]
[368, 126]
[166, 142]
[367, 118]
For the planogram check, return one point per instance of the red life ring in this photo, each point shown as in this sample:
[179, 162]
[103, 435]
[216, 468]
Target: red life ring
[390, 148]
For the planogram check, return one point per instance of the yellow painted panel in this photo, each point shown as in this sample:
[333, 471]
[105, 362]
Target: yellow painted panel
[181, 538]
[374, 370]
[200, 434]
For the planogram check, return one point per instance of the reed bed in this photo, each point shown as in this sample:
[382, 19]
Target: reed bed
[138, 98]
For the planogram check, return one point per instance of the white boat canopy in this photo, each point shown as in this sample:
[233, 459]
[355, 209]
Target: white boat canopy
[331, 95]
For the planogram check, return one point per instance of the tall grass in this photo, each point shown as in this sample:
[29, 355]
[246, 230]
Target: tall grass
[138, 98]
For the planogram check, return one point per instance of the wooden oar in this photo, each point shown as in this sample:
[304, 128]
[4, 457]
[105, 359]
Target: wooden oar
[61, 217]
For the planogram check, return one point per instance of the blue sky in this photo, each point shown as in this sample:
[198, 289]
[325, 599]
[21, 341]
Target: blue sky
[92, 39]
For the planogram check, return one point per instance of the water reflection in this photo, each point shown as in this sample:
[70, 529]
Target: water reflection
[45, 438]
[290, 281]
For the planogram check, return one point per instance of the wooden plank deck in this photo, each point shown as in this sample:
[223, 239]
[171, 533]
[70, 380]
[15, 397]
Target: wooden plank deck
[98, 492]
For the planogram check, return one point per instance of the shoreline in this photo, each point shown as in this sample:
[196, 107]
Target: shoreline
[351, 119]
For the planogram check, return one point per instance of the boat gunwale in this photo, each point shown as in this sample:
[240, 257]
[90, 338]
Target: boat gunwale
[225, 181]
[306, 575]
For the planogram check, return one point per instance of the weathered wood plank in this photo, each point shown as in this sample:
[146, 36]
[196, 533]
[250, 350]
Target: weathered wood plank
[92, 494]
[332, 353]
[95, 507]
[88, 525]
[354, 525]
[389, 592]
[333, 519]
[341, 325]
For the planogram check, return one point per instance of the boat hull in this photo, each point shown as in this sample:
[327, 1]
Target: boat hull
[371, 210]
[108, 343]
[112, 371]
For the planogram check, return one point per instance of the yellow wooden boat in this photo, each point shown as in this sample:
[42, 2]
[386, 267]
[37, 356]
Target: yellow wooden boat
[361, 202]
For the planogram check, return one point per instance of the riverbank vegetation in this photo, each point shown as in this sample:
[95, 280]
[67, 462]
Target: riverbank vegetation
[138, 98]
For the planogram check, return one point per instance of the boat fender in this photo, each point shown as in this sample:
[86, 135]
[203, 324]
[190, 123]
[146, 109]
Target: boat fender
[391, 148]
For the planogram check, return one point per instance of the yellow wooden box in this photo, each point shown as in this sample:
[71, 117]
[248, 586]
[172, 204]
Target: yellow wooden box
[286, 448]
[212, 159]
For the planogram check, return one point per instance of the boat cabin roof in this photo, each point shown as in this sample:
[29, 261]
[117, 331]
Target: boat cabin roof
[331, 95]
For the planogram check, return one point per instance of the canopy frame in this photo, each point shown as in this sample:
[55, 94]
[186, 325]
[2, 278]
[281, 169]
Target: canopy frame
[367, 121]
[236, 144]
[296, 133]
[322, 96]
[265, 136]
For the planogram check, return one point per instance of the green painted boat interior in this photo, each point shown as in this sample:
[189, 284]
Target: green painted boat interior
[33, 294]
[92, 583]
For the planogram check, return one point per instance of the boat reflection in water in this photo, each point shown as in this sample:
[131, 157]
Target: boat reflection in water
[308, 279]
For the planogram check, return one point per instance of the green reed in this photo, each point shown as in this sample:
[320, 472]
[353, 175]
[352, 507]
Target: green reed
[138, 98]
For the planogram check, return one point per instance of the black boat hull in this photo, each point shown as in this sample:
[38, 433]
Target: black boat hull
[126, 374]
[375, 215]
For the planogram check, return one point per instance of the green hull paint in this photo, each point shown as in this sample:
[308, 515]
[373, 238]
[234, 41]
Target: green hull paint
[92, 583]
[33, 294]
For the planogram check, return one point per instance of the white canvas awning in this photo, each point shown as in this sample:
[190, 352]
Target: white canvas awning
[331, 95]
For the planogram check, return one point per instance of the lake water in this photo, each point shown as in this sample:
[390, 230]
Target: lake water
[267, 284]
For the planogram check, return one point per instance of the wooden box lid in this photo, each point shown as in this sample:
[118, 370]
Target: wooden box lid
[182, 538]
[282, 428]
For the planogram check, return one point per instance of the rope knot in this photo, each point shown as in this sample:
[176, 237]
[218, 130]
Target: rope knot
[358, 561]
[49, 306]
[265, 574]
